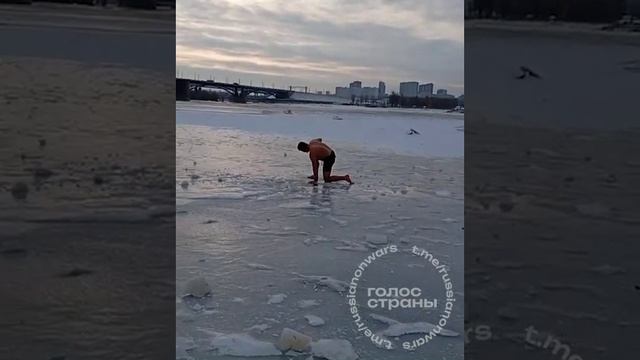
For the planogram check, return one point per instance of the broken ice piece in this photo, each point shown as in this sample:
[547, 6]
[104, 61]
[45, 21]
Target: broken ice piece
[293, 340]
[314, 320]
[197, 287]
[334, 284]
[276, 299]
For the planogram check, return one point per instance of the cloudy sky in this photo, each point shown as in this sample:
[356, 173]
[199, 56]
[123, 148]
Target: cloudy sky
[322, 43]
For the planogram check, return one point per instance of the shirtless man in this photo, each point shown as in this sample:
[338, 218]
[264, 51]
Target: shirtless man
[319, 151]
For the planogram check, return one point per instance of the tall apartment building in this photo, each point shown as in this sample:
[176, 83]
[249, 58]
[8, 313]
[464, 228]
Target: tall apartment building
[409, 89]
[382, 90]
[425, 90]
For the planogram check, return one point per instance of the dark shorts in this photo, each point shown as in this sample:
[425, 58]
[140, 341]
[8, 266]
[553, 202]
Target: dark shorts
[327, 163]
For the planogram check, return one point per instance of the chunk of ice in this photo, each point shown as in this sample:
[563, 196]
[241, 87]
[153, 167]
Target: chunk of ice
[293, 340]
[334, 284]
[197, 287]
[314, 320]
[276, 299]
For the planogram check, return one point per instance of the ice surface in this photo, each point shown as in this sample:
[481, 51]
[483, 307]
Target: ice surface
[293, 340]
[260, 267]
[333, 349]
[183, 346]
[331, 283]
[276, 299]
[259, 328]
[351, 246]
[303, 304]
[397, 328]
[280, 236]
[372, 128]
[242, 345]
[377, 239]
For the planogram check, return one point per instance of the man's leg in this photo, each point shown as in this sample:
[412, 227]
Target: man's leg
[329, 178]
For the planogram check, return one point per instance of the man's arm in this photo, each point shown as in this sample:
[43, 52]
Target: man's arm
[315, 164]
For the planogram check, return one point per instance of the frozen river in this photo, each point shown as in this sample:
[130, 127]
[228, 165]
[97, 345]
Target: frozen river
[251, 226]
[441, 133]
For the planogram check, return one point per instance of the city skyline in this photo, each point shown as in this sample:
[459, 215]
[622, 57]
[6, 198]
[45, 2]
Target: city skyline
[397, 90]
[322, 45]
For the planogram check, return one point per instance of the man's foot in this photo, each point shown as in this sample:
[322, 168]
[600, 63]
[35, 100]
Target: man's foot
[348, 178]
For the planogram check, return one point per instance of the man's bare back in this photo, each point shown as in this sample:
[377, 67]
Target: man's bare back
[319, 151]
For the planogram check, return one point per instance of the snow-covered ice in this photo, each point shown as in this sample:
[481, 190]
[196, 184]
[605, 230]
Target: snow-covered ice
[280, 249]
[371, 128]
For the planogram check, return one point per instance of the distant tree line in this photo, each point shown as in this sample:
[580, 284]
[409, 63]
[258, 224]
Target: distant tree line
[396, 100]
[567, 10]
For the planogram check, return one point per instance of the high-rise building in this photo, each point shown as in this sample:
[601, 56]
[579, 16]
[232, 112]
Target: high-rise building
[441, 92]
[343, 92]
[409, 89]
[425, 90]
[356, 84]
[369, 92]
[382, 89]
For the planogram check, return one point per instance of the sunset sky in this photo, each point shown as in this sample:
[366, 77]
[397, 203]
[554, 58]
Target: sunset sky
[322, 44]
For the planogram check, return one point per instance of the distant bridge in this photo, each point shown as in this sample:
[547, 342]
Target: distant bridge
[238, 92]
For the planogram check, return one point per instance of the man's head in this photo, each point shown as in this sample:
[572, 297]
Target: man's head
[303, 146]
